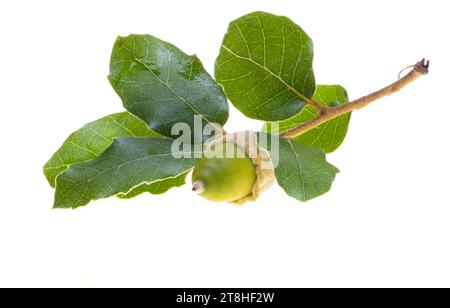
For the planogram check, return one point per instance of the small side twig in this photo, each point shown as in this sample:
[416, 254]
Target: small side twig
[419, 69]
[320, 109]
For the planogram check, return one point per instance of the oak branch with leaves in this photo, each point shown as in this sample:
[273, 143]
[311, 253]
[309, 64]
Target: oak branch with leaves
[264, 68]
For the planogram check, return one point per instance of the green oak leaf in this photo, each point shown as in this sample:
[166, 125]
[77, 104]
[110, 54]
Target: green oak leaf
[163, 86]
[328, 136]
[92, 139]
[156, 188]
[127, 164]
[302, 171]
[265, 66]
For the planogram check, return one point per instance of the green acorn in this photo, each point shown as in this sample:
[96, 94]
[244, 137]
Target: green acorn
[228, 177]
[227, 173]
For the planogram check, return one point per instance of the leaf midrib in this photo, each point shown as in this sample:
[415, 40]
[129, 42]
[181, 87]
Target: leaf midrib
[117, 167]
[290, 87]
[300, 165]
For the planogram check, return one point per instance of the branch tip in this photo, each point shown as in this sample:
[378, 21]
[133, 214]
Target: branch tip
[422, 66]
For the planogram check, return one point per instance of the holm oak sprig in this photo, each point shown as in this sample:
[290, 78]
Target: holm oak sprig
[175, 113]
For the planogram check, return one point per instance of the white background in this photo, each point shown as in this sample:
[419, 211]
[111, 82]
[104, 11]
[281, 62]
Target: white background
[386, 222]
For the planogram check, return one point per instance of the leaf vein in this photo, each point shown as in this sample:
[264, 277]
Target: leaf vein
[290, 87]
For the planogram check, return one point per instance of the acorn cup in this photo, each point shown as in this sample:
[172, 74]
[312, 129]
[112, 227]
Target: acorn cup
[233, 169]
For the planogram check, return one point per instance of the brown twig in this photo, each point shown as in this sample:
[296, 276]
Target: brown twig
[420, 69]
